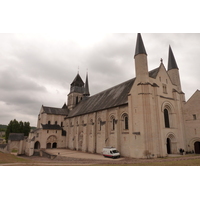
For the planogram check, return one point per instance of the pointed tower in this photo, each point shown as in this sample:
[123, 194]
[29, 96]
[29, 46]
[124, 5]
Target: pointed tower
[76, 92]
[173, 70]
[86, 87]
[141, 66]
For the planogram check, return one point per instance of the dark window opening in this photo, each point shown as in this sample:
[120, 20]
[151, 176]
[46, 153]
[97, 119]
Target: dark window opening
[113, 124]
[194, 117]
[49, 122]
[126, 123]
[166, 117]
[56, 122]
[76, 100]
[61, 124]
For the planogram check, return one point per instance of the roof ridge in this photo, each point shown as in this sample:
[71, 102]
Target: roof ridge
[112, 87]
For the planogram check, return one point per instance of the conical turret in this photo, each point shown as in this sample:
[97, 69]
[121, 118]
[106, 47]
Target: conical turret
[173, 70]
[86, 87]
[171, 60]
[140, 49]
[141, 66]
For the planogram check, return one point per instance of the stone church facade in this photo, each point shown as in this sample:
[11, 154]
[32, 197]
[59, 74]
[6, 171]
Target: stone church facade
[147, 113]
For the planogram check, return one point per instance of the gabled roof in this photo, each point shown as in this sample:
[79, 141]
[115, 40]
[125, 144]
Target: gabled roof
[115, 96]
[51, 126]
[112, 97]
[55, 111]
[16, 136]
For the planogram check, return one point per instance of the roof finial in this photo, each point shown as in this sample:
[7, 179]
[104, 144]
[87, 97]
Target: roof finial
[78, 69]
[161, 60]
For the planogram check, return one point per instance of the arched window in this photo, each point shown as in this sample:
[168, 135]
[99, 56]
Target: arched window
[166, 118]
[125, 121]
[49, 145]
[112, 122]
[54, 146]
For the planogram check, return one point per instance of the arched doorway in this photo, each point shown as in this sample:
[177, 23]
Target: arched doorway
[168, 146]
[54, 145]
[37, 145]
[51, 142]
[171, 144]
[197, 147]
[48, 145]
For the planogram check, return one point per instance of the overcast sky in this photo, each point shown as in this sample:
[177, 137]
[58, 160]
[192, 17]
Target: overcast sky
[37, 69]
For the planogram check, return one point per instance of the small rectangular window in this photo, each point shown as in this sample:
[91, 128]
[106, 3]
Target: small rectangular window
[194, 117]
[165, 88]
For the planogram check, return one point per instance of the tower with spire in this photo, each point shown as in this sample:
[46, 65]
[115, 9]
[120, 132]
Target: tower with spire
[78, 90]
[141, 65]
[173, 70]
[86, 87]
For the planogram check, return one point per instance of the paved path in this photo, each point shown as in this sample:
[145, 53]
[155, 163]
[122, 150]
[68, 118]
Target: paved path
[78, 154]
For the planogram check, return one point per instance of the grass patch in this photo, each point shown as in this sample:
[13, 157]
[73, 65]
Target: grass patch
[9, 158]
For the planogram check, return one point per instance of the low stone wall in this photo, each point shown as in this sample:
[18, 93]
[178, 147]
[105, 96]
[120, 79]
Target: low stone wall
[3, 148]
[47, 155]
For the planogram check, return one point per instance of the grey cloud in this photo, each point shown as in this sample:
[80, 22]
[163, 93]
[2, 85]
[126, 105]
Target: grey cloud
[36, 70]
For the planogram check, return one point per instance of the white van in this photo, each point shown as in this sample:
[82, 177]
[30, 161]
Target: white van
[111, 152]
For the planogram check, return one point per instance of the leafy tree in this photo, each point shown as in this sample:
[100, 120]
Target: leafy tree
[17, 127]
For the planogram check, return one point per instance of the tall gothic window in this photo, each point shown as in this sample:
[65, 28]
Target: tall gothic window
[126, 122]
[112, 123]
[166, 117]
[76, 100]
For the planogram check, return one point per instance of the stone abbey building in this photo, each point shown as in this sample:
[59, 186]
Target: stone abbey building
[147, 113]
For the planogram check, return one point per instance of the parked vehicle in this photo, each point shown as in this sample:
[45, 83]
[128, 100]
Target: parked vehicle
[111, 152]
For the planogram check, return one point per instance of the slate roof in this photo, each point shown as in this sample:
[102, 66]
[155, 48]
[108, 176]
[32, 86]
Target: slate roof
[112, 97]
[51, 126]
[140, 49]
[171, 60]
[153, 73]
[77, 81]
[86, 88]
[115, 96]
[55, 111]
[16, 136]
